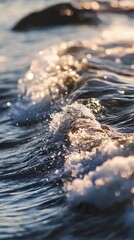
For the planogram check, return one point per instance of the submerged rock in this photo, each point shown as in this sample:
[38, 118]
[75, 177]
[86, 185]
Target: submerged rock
[59, 14]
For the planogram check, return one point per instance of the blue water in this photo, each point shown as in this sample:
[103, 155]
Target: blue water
[63, 175]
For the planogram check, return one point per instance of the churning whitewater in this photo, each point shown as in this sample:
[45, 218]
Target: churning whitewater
[96, 155]
[67, 124]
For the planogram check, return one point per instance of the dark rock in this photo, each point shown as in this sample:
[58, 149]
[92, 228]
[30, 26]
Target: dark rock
[60, 14]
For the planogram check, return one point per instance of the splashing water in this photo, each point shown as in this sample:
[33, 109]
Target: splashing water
[98, 167]
[74, 173]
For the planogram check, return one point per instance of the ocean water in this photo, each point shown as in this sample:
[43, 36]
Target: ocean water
[66, 128]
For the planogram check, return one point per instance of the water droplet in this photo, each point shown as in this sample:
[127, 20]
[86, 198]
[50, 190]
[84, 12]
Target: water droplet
[29, 75]
[117, 193]
[132, 190]
[121, 92]
[8, 104]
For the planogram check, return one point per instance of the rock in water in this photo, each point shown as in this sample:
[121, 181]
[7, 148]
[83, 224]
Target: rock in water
[60, 14]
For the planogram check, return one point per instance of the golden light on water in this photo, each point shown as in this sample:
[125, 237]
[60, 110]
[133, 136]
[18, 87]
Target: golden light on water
[126, 4]
[115, 3]
[91, 5]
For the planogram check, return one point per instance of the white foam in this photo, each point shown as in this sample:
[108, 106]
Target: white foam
[96, 171]
[109, 184]
[45, 83]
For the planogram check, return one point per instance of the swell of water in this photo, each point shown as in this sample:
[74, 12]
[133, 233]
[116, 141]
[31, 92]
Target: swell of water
[71, 85]
[67, 143]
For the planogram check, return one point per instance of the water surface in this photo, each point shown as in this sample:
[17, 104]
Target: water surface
[66, 128]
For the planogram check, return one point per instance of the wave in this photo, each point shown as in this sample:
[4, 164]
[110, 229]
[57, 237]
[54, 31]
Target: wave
[82, 93]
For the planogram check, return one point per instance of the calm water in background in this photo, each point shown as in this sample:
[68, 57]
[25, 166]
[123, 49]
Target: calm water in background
[32, 206]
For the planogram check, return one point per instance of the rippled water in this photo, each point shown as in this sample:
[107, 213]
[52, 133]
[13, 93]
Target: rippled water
[66, 129]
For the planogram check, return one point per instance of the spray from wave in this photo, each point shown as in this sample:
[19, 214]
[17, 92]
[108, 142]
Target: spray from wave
[78, 89]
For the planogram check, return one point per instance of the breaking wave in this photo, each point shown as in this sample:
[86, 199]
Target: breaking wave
[63, 88]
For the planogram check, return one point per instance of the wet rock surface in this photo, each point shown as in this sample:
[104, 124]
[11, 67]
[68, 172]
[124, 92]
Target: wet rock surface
[67, 14]
[57, 15]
